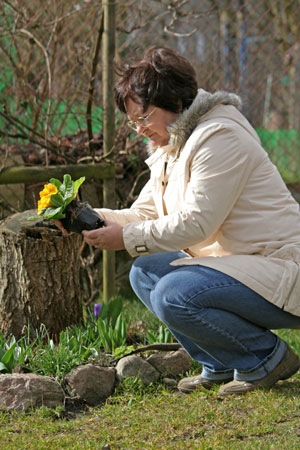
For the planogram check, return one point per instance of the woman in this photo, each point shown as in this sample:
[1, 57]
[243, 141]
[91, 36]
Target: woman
[216, 231]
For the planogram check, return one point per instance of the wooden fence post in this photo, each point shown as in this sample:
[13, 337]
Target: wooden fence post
[108, 51]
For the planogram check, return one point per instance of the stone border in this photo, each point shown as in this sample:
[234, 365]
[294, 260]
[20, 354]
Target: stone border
[89, 383]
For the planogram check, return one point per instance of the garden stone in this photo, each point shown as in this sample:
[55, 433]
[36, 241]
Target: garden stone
[92, 383]
[171, 363]
[22, 391]
[133, 366]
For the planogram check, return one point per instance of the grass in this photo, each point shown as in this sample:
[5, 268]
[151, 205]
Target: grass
[157, 418]
[160, 418]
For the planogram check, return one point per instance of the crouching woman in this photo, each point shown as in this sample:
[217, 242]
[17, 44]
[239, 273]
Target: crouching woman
[215, 230]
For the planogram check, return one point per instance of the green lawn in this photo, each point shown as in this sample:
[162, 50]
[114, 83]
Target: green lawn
[155, 417]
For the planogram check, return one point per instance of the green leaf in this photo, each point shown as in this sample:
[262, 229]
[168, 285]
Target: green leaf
[33, 217]
[67, 189]
[85, 355]
[57, 200]
[9, 355]
[3, 367]
[123, 350]
[59, 215]
[124, 330]
[20, 352]
[52, 213]
[111, 310]
[66, 181]
[104, 335]
[56, 182]
[151, 337]
[120, 329]
[77, 184]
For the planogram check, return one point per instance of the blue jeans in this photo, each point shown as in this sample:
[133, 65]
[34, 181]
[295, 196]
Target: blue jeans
[220, 322]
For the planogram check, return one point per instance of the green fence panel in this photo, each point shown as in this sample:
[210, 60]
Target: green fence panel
[283, 147]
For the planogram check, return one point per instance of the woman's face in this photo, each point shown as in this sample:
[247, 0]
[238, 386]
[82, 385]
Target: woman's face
[155, 127]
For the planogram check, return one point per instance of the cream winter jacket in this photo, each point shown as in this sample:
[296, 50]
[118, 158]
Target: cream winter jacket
[221, 200]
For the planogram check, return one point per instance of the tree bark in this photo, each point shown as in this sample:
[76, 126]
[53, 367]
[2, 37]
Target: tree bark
[39, 276]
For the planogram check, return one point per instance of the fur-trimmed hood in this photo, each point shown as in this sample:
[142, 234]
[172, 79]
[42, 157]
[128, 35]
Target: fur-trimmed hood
[182, 128]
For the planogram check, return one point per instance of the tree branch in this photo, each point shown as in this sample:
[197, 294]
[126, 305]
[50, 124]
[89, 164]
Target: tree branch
[92, 86]
[29, 34]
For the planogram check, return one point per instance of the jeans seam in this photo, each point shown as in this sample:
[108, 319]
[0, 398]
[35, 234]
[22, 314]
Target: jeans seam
[245, 348]
[188, 301]
[221, 332]
[263, 362]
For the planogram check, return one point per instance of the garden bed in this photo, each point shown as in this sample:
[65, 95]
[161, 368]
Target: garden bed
[87, 362]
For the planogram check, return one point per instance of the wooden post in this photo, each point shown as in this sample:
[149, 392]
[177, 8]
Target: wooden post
[36, 174]
[108, 51]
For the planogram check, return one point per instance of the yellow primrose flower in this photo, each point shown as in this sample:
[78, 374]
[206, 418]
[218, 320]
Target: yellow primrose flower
[44, 203]
[45, 195]
[49, 189]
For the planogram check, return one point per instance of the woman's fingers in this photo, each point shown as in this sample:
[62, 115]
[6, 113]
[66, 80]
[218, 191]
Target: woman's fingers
[109, 237]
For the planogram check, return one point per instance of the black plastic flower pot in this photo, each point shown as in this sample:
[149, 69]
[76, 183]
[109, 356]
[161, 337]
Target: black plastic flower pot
[81, 216]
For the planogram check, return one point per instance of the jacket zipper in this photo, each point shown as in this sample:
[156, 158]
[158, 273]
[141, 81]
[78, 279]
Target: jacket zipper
[164, 182]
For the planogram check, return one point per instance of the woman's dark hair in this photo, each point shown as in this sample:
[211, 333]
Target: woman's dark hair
[162, 78]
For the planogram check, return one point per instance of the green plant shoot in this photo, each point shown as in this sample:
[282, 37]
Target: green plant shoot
[56, 196]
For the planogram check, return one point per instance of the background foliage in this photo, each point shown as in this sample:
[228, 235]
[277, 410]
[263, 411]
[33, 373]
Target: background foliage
[47, 49]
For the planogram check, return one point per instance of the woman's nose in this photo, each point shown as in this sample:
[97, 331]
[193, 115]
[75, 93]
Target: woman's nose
[141, 128]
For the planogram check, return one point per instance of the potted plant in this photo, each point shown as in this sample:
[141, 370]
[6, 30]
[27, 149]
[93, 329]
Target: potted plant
[58, 200]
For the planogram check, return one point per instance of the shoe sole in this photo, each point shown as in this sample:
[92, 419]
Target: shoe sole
[290, 360]
[293, 370]
[206, 385]
[189, 391]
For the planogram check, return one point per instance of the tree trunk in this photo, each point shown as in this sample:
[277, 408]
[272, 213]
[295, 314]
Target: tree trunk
[39, 276]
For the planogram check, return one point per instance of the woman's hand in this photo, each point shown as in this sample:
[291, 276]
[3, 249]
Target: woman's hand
[109, 237]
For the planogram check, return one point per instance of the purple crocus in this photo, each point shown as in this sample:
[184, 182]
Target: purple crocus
[97, 308]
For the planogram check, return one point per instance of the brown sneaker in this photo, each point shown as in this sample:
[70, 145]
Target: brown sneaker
[190, 384]
[287, 367]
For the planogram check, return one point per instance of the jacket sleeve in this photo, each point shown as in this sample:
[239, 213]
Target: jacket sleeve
[142, 209]
[218, 172]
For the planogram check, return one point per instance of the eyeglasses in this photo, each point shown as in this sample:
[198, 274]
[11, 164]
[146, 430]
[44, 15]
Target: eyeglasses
[140, 121]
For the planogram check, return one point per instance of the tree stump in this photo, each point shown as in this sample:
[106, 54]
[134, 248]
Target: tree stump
[39, 276]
